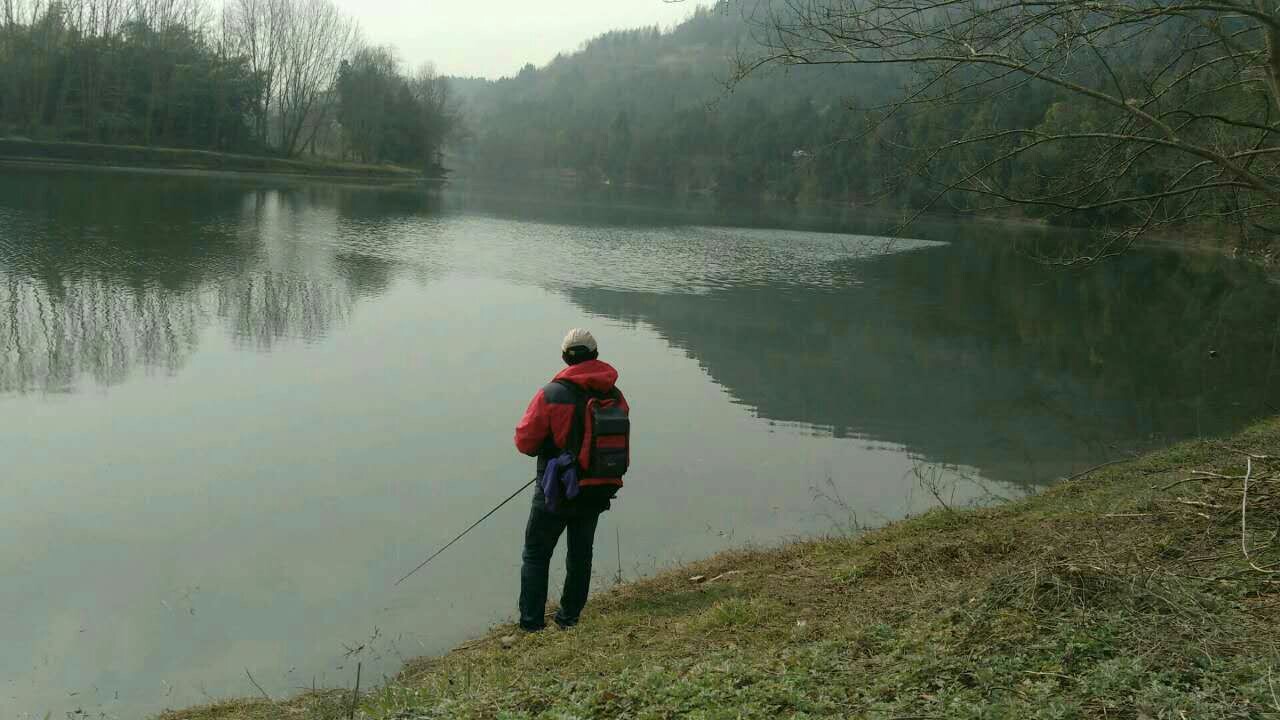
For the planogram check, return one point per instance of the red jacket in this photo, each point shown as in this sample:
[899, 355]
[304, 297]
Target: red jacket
[544, 429]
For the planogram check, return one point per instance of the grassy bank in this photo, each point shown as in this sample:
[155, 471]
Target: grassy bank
[179, 159]
[1125, 593]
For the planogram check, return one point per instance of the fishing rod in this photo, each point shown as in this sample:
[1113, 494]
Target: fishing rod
[464, 532]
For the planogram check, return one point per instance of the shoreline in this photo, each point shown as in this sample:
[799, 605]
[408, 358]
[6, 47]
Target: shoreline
[89, 155]
[71, 155]
[1144, 587]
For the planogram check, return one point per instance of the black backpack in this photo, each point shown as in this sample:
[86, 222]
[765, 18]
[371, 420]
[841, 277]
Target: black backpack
[600, 437]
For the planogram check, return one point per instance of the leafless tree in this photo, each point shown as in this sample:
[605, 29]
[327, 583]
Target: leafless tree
[1160, 112]
[295, 48]
[317, 38]
[440, 112]
[255, 29]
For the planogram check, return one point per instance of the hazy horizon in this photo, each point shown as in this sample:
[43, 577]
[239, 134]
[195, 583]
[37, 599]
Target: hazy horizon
[473, 39]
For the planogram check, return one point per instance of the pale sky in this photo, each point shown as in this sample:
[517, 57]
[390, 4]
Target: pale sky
[493, 38]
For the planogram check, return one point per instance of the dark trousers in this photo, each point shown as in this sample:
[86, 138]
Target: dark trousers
[540, 538]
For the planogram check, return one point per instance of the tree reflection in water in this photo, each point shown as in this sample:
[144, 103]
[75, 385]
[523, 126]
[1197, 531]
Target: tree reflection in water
[105, 273]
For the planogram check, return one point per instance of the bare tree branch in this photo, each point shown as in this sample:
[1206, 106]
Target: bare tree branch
[1159, 112]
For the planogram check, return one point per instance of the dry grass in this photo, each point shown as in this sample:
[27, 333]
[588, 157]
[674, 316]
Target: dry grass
[1124, 594]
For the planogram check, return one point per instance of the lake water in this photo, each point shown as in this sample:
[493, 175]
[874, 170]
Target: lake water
[233, 411]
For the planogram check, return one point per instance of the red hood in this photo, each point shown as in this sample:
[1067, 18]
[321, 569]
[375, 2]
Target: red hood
[595, 375]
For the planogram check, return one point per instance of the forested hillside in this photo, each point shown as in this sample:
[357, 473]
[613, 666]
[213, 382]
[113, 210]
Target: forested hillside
[1108, 115]
[657, 109]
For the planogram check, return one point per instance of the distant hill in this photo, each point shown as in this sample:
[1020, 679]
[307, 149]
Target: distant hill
[651, 108]
[654, 109]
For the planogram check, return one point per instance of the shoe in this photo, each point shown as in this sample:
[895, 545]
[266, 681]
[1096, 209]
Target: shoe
[564, 624]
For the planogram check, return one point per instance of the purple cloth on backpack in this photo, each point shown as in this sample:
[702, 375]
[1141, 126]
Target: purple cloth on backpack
[559, 481]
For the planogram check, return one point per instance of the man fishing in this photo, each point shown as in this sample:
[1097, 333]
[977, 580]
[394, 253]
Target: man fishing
[578, 428]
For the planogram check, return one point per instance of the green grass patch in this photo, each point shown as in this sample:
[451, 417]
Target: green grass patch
[183, 159]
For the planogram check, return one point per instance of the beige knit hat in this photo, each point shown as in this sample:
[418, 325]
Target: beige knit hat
[578, 337]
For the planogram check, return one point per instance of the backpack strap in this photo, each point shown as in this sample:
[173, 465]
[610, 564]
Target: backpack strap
[573, 443]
